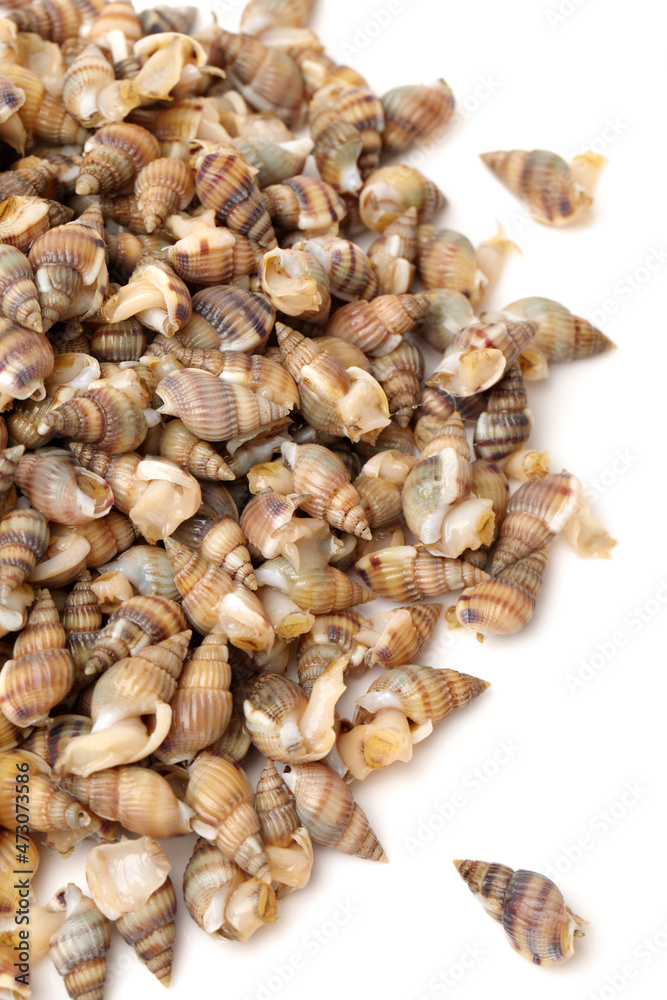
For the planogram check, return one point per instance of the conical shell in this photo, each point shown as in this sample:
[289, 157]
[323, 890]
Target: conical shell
[402, 573]
[266, 77]
[42, 672]
[107, 417]
[326, 808]
[530, 907]
[505, 603]
[275, 807]
[221, 796]
[62, 490]
[228, 318]
[303, 202]
[401, 634]
[331, 636]
[18, 292]
[390, 191]
[561, 335]
[423, 694]
[24, 536]
[377, 327]
[114, 156]
[51, 808]
[137, 623]
[416, 114]
[151, 930]
[162, 187]
[26, 360]
[78, 948]
[319, 472]
[537, 511]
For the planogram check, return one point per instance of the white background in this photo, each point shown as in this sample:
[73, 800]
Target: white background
[524, 75]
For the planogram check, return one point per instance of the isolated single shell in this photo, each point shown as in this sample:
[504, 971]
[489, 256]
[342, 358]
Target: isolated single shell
[536, 512]
[225, 182]
[416, 113]
[530, 907]
[42, 672]
[202, 704]
[319, 472]
[222, 899]
[78, 948]
[221, 796]
[545, 183]
[326, 808]
[560, 336]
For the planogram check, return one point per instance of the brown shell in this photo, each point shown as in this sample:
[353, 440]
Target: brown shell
[137, 623]
[78, 947]
[423, 694]
[24, 536]
[506, 423]
[225, 182]
[163, 186]
[377, 327]
[505, 603]
[416, 113]
[541, 179]
[319, 472]
[228, 318]
[151, 930]
[303, 202]
[114, 156]
[403, 573]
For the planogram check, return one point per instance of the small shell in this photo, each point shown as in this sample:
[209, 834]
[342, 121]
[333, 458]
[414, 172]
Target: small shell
[107, 417]
[61, 489]
[139, 798]
[221, 796]
[505, 603]
[303, 202]
[167, 18]
[151, 930]
[377, 327]
[26, 360]
[82, 619]
[24, 537]
[390, 191]
[15, 853]
[199, 457]
[259, 15]
[154, 294]
[88, 75]
[395, 637]
[536, 512]
[275, 807]
[296, 284]
[506, 423]
[43, 116]
[400, 374]
[331, 636]
[22, 220]
[78, 948]
[480, 354]
[319, 589]
[114, 156]
[225, 182]
[545, 182]
[51, 808]
[267, 78]
[319, 472]
[162, 187]
[123, 876]
[212, 409]
[561, 335]
[214, 257]
[137, 623]
[416, 113]
[270, 525]
[339, 102]
[326, 808]
[42, 672]
[403, 573]
[350, 273]
[275, 162]
[286, 725]
[393, 254]
[17, 289]
[447, 260]
[221, 899]
[56, 21]
[530, 907]
[228, 318]
[202, 705]
[422, 694]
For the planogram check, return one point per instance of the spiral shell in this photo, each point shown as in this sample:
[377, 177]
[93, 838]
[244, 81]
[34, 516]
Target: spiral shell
[22, 220]
[330, 637]
[480, 354]
[212, 409]
[560, 336]
[107, 417]
[416, 114]
[319, 472]
[18, 293]
[505, 603]
[228, 318]
[544, 182]
[220, 897]
[26, 360]
[535, 513]
[199, 457]
[78, 948]
[390, 191]
[393, 254]
[55, 20]
[51, 808]
[137, 623]
[403, 573]
[225, 182]
[43, 116]
[506, 423]
[221, 796]
[202, 704]
[42, 672]
[61, 489]
[154, 294]
[303, 202]
[538, 924]
[350, 273]
[395, 637]
[167, 18]
[113, 157]
[24, 536]
[326, 808]
[162, 187]
[259, 15]
[296, 284]
[139, 798]
[286, 725]
[423, 694]
[377, 327]
[86, 77]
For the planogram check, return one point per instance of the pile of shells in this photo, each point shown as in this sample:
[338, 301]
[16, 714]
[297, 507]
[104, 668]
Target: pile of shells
[214, 406]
